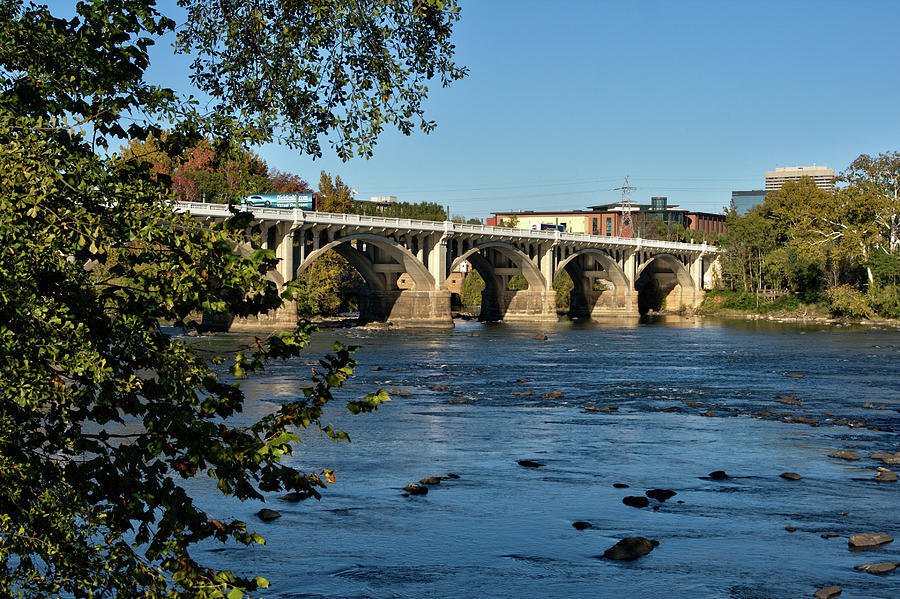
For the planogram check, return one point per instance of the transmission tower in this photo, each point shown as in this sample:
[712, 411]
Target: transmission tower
[627, 207]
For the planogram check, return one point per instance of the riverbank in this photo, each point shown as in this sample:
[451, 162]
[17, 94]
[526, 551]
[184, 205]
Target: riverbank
[787, 309]
[795, 317]
[789, 318]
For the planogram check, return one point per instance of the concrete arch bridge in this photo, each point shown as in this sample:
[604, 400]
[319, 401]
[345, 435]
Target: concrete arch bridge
[409, 266]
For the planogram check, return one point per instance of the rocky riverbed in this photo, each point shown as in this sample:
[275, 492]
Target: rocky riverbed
[720, 460]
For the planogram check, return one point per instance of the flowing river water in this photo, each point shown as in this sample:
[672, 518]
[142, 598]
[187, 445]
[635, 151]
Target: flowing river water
[686, 397]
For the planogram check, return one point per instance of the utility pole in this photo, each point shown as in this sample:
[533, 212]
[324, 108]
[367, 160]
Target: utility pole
[627, 207]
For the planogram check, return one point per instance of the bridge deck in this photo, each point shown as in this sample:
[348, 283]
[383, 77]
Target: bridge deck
[298, 216]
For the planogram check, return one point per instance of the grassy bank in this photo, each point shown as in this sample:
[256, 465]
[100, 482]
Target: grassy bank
[829, 307]
[721, 301]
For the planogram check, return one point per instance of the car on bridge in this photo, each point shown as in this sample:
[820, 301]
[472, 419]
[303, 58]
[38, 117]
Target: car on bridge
[304, 201]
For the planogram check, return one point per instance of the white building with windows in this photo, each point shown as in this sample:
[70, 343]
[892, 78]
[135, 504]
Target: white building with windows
[821, 175]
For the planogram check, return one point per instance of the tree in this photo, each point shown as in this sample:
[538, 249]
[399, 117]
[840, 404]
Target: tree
[320, 66]
[281, 182]
[459, 218]
[563, 287]
[204, 173]
[328, 286]
[417, 211]
[877, 181]
[334, 195]
[750, 238]
[103, 414]
[219, 175]
[831, 226]
[473, 286]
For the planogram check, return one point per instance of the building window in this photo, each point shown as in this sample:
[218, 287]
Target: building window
[594, 226]
[609, 225]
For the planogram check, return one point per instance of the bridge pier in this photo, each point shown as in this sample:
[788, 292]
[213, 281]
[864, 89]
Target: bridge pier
[607, 302]
[522, 306]
[283, 319]
[407, 308]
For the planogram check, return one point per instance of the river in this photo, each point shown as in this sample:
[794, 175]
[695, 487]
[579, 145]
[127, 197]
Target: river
[686, 397]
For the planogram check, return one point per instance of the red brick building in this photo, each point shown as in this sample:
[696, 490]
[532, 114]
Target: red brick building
[609, 219]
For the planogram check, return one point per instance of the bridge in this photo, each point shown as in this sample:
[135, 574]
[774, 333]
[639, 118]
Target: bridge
[409, 265]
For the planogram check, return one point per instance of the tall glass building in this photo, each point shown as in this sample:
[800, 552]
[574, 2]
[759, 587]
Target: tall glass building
[745, 201]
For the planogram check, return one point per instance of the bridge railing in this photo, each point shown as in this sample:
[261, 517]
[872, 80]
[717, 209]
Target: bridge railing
[382, 222]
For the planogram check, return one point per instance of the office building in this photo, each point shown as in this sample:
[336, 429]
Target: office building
[745, 201]
[821, 175]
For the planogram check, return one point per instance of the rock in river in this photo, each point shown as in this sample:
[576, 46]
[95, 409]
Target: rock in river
[790, 476]
[869, 539]
[636, 501]
[400, 393]
[718, 475]
[660, 494]
[630, 548]
[267, 514]
[552, 395]
[607, 409]
[430, 480]
[883, 456]
[416, 489]
[581, 525]
[294, 496]
[529, 464]
[828, 592]
[886, 475]
[879, 568]
[844, 454]
[790, 400]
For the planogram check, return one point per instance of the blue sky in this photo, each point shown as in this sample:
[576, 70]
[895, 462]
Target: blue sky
[689, 99]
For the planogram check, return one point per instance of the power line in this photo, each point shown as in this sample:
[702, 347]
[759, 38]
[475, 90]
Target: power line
[566, 183]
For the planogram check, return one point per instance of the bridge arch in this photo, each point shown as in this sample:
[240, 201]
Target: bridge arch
[599, 285]
[379, 276]
[498, 262]
[663, 280]
[521, 260]
[399, 289]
